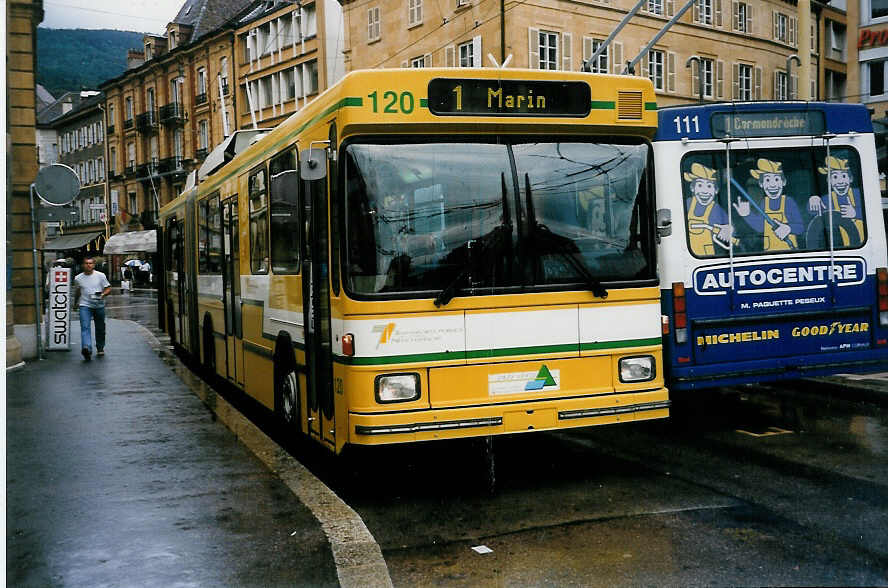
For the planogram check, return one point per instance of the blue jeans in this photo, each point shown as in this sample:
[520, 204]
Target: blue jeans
[87, 314]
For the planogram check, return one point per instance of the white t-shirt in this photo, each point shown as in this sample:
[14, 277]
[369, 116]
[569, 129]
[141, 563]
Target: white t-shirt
[91, 287]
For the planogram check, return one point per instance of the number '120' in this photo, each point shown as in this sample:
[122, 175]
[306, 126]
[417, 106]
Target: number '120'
[393, 103]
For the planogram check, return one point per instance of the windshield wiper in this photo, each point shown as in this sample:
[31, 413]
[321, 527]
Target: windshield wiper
[543, 239]
[491, 245]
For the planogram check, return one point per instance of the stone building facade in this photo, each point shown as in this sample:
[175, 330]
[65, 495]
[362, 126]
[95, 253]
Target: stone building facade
[287, 53]
[742, 45]
[22, 306]
[172, 105]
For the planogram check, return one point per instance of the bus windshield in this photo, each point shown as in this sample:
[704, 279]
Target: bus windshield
[780, 200]
[426, 217]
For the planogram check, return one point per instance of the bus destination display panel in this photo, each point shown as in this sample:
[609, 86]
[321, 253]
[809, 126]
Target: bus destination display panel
[768, 124]
[509, 98]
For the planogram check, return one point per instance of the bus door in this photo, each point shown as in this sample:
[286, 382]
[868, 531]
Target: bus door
[231, 299]
[316, 296]
[179, 264]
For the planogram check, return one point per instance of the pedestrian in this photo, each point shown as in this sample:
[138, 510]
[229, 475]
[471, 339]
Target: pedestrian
[91, 287]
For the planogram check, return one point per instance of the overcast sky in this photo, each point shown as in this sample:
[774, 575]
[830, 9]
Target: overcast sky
[144, 16]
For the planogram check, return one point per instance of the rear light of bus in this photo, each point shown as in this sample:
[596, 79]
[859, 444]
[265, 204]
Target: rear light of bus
[396, 388]
[679, 313]
[882, 285]
[348, 345]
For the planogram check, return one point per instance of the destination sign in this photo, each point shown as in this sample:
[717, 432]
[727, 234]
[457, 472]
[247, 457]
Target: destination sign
[509, 98]
[768, 124]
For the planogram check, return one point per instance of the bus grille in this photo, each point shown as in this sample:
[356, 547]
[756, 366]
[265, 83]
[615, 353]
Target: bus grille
[629, 105]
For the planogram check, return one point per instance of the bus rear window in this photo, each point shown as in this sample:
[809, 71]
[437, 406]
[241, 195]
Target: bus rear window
[777, 200]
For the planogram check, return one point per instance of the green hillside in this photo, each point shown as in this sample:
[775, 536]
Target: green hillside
[81, 59]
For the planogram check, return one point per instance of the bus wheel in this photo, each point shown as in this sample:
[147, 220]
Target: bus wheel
[286, 386]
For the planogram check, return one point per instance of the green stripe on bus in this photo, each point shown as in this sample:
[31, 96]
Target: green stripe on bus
[507, 351]
[352, 101]
[603, 105]
[423, 102]
[650, 106]
[625, 343]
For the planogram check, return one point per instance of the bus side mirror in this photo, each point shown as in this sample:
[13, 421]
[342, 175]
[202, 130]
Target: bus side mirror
[664, 222]
[313, 163]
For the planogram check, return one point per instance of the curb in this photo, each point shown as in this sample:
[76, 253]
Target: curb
[358, 557]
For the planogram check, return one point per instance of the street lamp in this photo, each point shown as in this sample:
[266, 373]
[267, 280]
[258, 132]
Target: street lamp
[789, 61]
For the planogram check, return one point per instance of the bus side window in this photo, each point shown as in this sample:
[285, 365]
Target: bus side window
[285, 214]
[258, 222]
[214, 226]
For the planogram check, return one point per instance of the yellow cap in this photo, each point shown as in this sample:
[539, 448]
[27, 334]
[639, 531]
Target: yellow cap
[700, 172]
[832, 163]
[766, 166]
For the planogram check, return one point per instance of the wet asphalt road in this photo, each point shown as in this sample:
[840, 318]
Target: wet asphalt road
[117, 475]
[781, 486]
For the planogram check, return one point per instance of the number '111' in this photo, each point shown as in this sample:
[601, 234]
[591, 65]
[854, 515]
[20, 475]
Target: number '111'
[687, 124]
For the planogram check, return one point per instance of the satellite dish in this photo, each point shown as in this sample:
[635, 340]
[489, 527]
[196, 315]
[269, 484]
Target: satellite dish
[57, 184]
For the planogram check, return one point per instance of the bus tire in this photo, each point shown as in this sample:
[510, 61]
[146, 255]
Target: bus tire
[209, 346]
[286, 385]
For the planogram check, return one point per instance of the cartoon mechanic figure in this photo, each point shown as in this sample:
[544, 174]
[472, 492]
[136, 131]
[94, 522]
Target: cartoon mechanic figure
[778, 219]
[843, 199]
[707, 221]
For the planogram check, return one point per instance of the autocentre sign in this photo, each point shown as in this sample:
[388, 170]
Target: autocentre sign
[872, 38]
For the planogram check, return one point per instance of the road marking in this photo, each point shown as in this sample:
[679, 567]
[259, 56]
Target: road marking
[770, 432]
[358, 557]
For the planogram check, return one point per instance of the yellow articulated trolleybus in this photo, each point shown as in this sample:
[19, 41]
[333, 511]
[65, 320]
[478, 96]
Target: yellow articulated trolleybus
[430, 254]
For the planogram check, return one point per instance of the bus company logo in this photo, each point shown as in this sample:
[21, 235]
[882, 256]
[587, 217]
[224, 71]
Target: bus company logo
[779, 276]
[385, 333]
[542, 380]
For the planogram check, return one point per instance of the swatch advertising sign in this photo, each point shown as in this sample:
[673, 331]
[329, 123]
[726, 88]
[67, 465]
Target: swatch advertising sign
[58, 310]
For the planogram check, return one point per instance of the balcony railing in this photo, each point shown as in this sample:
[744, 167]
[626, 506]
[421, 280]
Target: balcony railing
[200, 99]
[172, 114]
[127, 124]
[110, 129]
[130, 169]
[147, 121]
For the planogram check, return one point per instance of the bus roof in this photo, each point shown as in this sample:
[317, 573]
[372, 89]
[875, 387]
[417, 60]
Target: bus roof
[761, 119]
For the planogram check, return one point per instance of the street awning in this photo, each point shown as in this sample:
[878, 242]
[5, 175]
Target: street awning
[67, 242]
[132, 242]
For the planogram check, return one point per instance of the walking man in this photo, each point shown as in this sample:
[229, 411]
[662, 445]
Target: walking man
[92, 286]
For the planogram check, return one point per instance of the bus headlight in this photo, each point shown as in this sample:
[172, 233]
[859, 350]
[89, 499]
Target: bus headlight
[397, 388]
[638, 369]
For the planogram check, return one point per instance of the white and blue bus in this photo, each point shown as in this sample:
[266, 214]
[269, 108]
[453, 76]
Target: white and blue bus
[775, 265]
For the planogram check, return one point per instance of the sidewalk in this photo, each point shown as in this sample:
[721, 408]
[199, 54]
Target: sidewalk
[118, 475]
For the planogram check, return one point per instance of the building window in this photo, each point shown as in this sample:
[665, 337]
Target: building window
[656, 60]
[879, 9]
[781, 86]
[781, 26]
[258, 223]
[466, 55]
[201, 81]
[373, 29]
[112, 161]
[414, 12]
[876, 77]
[655, 7]
[203, 134]
[422, 61]
[223, 73]
[744, 82]
[706, 69]
[742, 17]
[703, 9]
[128, 107]
[548, 50]
[590, 46]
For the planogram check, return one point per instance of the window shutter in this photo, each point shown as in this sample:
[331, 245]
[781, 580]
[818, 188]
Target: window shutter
[618, 57]
[775, 32]
[449, 56]
[813, 95]
[735, 10]
[793, 27]
[477, 60]
[670, 8]
[587, 49]
[533, 52]
[757, 75]
[750, 21]
[735, 85]
[404, 64]
[645, 65]
[695, 80]
[670, 71]
[776, 85]
[566, 53]
[718, 13]
[427, 60]
[697, 11]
